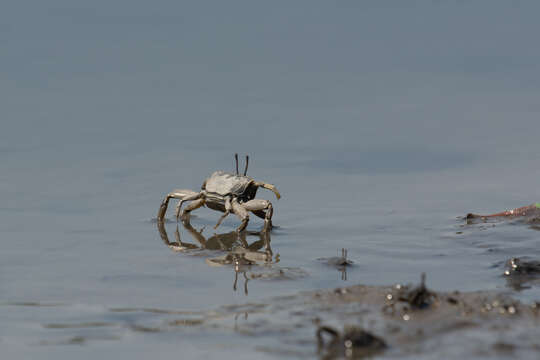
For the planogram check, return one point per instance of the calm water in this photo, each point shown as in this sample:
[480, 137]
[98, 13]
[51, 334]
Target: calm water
[380, 125]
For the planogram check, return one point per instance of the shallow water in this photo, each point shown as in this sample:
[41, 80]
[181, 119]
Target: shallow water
[379, 126]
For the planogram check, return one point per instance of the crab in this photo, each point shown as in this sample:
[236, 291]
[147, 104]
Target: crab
[225, 192]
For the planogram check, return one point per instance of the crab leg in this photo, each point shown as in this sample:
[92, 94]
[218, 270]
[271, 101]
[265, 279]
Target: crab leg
[191, 197]
[257, 205]
[175, 194]
[259, 213]
[228, 208]
[269, 187]
[242, 214]
[194, 205]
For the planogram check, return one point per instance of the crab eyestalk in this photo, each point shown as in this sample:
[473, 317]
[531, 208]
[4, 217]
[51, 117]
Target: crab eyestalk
[247, 163]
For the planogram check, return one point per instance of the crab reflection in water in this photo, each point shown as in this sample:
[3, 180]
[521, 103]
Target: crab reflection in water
[239, 253]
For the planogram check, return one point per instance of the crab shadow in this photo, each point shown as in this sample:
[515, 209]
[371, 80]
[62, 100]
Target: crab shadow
[233, 246]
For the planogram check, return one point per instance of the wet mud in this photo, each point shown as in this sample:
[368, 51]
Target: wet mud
[360, 321]
[400, 320]
[406, 321]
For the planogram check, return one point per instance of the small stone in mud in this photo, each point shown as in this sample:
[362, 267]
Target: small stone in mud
[353, 343]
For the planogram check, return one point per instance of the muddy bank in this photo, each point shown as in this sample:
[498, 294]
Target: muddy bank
[348, 322]
[442, 325]
[357, 321]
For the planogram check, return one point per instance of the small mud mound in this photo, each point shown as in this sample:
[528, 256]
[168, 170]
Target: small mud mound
[353, 343]
[401, 320]
[418, 297]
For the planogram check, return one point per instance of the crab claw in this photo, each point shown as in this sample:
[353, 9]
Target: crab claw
[269, 187]
[275, 191]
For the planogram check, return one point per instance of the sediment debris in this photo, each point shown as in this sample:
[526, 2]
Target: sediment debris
[413, 320]
[531, 213]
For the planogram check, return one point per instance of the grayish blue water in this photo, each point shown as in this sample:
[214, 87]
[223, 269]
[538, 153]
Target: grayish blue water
[379, 122]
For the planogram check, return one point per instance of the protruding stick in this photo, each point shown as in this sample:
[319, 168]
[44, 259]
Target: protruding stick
[521, 211]
[236, 158]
